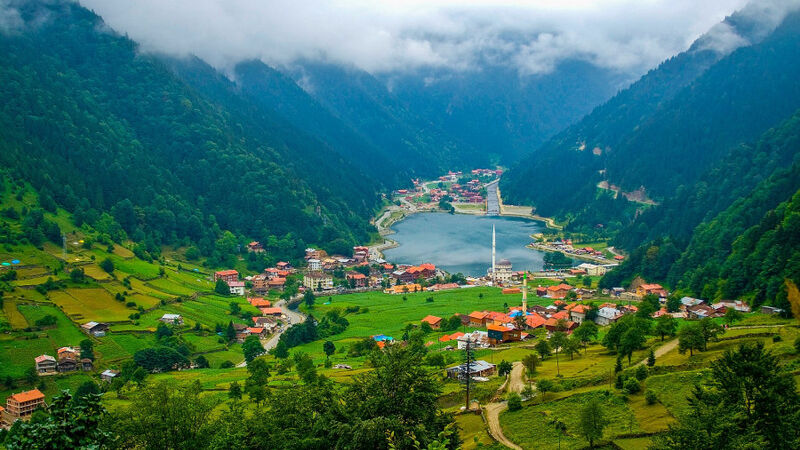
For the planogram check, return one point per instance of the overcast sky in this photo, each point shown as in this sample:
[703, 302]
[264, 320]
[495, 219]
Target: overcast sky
[400, 35]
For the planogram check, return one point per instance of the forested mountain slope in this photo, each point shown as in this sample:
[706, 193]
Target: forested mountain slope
[743, 240]
[667, 129]
[101, 128]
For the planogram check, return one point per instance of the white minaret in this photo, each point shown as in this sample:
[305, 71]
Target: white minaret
[525, 293]
[494, 245]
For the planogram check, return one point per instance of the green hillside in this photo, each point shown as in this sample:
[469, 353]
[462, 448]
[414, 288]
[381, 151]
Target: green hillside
[115, 138]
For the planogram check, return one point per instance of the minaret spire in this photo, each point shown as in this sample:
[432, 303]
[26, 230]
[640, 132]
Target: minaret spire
[494, 268]
[525, 293]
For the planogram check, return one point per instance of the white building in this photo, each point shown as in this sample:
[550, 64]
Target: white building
[593, 270]
[479, 339]
[502, 271]
[171, 319]
[314, 264]
[236, 287]
[607, 316]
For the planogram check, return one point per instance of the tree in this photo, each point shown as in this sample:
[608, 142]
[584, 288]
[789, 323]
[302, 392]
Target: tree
[631, 386]
[235, 308]
[222, 288]
[329, 348]
[586, 332]
[230, 332]
[749, 401]
[166, 415]
[85, 389]
[281, 350]
[709, 330]
[632, 340]
[87, 349]
[618, 365]
[514, 402]
[108, 265]
[201, 362]
[571, 347]
[163, 331]
[77, 275]
[252, 348]
[543, 348]
[651, 359]
[561, 429]
[69, 424]
[309, 298]
[235, 391]
[797, 345]
[504, 368]
[557, 341]
[31, 375]
[666, 325]
[592, 421]
[530, 361]
[544, 386]
[673, 304]
[690, 337]
[256, 383]
[732, 316]
[425, 327]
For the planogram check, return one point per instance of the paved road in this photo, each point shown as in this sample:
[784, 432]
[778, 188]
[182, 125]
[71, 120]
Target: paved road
[661, 351]
[492, 199]
[294, 317]
[515, 383]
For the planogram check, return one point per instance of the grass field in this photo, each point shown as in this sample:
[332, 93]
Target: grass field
[64, 333]
[17, 354]
[84, 305]
[530, 428]
[12, 314]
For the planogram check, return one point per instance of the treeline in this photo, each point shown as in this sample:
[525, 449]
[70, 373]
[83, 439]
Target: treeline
[112, 136]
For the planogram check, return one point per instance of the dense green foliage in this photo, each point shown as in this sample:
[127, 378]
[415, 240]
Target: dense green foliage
[117, 139]
[393, 405]
[750, 401]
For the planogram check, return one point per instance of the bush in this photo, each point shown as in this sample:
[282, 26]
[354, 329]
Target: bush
[650, 397]
[226, 365]
[46, 321]
[619, 384]
[641, 373]
[631, 386]
[514, 402]
[797, 345]
[777, 338]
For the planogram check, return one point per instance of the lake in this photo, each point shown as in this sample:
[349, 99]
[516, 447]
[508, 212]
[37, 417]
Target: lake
[463, 243]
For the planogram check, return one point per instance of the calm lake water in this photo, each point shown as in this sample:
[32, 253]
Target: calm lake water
[463, 243]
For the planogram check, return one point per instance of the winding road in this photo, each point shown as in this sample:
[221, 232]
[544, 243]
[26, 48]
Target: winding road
[293, 318]
[514, 383]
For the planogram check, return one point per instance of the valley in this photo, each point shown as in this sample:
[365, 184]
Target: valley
[453, 227]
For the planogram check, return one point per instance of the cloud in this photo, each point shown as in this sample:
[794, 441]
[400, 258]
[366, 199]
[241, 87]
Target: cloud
[402, 35]
[10, 20]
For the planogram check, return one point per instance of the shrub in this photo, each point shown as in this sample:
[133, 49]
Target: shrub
[620, 381]
[514, 402]
[46, 321]
[631, 386]
[641, 373]
[797, 345]
[650, 397]
[777, 338]
[226, 365]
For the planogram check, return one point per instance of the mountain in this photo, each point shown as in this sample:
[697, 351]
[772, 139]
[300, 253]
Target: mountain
[667, 129]
[115, 137]
[745, 239]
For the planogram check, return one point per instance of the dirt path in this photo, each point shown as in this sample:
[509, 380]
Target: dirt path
[515, 383]
[661, 351]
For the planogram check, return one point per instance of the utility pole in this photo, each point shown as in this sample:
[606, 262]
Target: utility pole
[64, 246]
[466, 373]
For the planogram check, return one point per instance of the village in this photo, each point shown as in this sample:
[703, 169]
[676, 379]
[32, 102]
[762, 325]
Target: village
[502, 316]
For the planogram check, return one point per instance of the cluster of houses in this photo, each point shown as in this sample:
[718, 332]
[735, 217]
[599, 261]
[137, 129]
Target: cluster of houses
[565, 246]
[695, 308]
[320, 269]
[20, 406]
[273, 278]
[467, 191]
[67, 359]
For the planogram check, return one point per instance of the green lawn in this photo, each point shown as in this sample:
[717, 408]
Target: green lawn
[530, 428]
[65, 333]
[116, 346]
[16, 355]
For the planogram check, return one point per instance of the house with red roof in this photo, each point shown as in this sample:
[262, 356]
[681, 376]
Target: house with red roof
[22, 405]
[559, 291]
[533, 321]
[356, 279]
[259, 302]
[578, 313]
[433, 321]
[478, 318]
[552, 324]
[226, 275]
